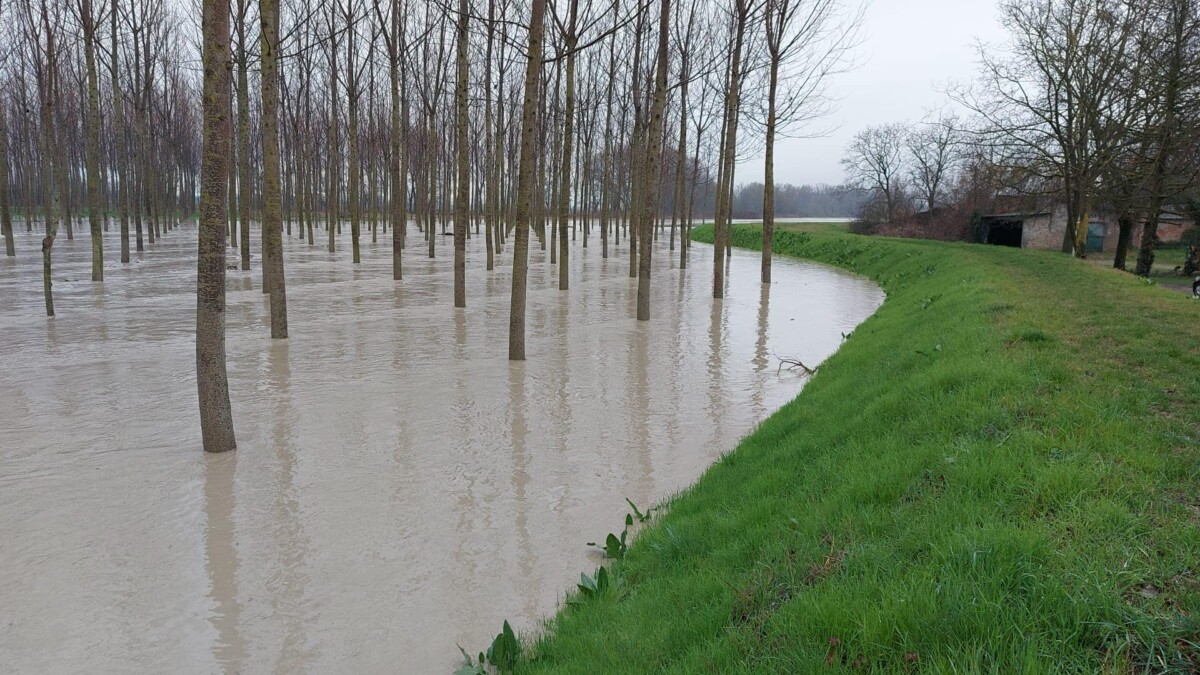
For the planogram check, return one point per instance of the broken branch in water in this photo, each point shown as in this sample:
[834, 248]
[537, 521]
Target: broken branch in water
[793, 363]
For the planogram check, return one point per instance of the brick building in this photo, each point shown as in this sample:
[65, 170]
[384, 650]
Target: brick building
[1045, 229]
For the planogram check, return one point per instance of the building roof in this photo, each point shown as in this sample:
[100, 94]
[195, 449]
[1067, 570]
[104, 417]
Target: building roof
[1030, 214]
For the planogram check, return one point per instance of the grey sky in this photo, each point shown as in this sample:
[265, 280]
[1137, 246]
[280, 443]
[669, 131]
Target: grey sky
[911, 49]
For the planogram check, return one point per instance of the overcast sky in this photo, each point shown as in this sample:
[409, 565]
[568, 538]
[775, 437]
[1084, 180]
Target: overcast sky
[910, 50]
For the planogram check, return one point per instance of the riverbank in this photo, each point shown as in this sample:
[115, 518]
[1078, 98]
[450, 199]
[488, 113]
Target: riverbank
[996, 473]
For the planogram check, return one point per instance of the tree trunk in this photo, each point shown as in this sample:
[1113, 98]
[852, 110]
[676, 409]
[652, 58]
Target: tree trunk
[212, 381]
[50, 195]
[333, 162]
[721, 222]
[272, 226]
[606, 201]
[769, 175]
[353, 188]
[1125, 224]
[525, 191]
[231, 198]
[243, 137]
[60, 151]
[1145, 260]
[490, 157]
[653, 162]
[677, 206]
[95, 207]
[10, 249]
[462, 199]
[396, 167]
[564, 188]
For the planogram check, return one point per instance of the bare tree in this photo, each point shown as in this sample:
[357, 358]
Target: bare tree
[933, 148]
[243, 132]
[95, 205]
[1053, 101]
[41, 33]
[874, 162]
[392, 32]
[806, 42]
[722, 220]
[10, 249]
[212, 380]
[653, 160]
[462, 199]
[272, 218]
[571, 39]
[525, 187]
[1175, 113]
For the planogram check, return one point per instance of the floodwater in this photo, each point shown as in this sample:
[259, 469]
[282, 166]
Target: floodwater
[399, 486]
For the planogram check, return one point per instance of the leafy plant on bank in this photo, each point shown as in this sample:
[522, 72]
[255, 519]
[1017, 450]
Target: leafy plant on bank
[502, 655]
[505, 651]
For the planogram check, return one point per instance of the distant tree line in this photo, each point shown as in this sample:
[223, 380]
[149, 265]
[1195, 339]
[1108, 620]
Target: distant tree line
[798, 201]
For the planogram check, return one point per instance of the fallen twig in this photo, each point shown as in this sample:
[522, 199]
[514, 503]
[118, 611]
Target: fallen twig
[793, 363]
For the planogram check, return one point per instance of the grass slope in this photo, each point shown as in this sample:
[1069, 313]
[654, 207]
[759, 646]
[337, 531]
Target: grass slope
[996, 474]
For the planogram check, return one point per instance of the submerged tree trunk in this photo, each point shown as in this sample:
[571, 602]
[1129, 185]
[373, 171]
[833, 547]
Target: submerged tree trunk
[10, 249]
[489, 173]
[606, 200]
[353, 185]
[95, 206]
[653, 162]
[118, 131]
[721, 222]
[51, 195]
[564, 189]
[60, 149]
[768, 231]
[398, 191]
[462, 199]
[525, 187]
[243, 138]
[677, 206]
[272, 226]
[212, 380]
[333, 163]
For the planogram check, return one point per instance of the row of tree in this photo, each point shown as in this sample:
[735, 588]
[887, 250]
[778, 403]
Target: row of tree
[517, 118]
[1094, 103]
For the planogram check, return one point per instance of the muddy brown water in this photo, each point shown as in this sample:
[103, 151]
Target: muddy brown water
[399, 487]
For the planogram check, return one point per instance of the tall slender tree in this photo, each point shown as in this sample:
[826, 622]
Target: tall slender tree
[272, 192]
[463, 198]
[10, 248]
[653, 161]
[571, 39]
[95, 203]
[212, 379]
[525, 186]
[722, 219]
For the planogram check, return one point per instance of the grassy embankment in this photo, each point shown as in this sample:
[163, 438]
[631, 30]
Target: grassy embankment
[999, 472]
[813, 228]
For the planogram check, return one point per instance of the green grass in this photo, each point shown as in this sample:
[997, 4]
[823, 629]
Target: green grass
[997, 473]
[1167, 257]
[813, 227]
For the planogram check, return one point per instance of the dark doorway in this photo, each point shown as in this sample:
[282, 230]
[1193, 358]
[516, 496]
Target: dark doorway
[1005, 232]
[1095, 238]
